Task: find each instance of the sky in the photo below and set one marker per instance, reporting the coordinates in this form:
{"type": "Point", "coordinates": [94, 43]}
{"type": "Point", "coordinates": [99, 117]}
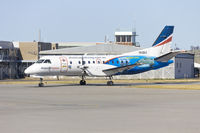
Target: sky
{"type": "Point", "coordinates": [92, 20]}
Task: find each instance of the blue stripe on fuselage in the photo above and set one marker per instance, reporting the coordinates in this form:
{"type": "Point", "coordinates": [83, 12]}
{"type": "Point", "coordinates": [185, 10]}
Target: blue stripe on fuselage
{"type": "Point", "coordinates": [124, 60]}
{"type": "Point", "coordinates": [149, 64]}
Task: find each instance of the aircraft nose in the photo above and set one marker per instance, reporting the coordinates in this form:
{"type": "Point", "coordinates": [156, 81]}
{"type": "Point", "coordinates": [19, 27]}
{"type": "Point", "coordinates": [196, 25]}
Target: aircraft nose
{"type": "Point", "coordinates": [27, 71]}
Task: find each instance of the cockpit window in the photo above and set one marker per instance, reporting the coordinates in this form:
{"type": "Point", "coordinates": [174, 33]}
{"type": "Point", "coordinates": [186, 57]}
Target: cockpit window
{"type": "Point", "coordinates": [39, 61]}
{"type": "Point", "coordinates": [47, 61]}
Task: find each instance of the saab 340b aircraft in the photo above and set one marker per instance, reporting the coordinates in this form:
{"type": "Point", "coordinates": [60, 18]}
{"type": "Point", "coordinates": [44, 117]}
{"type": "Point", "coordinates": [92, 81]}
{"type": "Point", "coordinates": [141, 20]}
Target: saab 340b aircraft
{"type": "Point", "coordinates": [155, 57]}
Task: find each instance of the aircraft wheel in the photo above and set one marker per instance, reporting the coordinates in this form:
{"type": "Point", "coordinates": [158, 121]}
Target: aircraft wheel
{"type": "Point", "coordinates": [110, 83]}
{"type": "Point", "coordinates": [41, 84]}
{"type": "Point", "coordinates": [82, 82]}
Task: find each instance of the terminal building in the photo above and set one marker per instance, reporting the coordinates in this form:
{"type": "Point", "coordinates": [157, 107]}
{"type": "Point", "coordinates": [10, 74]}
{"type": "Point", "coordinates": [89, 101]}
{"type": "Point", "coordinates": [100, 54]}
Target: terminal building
{"type": "Point", "coordinates": [126, 38]}
{"type": "Point", "coordinates": [8, 60]}
{"type": "Point", "coordinates": [15, 57]}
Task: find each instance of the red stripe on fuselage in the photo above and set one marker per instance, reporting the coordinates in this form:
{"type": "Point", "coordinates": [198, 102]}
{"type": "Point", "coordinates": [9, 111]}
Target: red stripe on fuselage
{"type": "Point", "coordinates": [166, 41]}
{"type": "Point", "coordinates": [111, 59]}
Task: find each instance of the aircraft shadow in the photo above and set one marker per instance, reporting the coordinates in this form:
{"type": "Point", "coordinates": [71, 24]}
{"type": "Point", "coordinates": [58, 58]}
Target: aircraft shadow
{"type": "Point", "coordinates": [118, 84]}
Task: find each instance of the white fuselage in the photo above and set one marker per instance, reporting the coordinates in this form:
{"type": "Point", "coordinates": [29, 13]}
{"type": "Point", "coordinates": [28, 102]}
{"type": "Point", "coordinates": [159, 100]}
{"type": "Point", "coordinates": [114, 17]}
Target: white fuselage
{"type": "Point", "coordinates": [67, 65]}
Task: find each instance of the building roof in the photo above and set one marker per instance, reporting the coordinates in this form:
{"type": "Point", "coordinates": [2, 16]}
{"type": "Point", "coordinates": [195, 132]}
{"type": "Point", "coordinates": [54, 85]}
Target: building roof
{"type": "Point", "coordinates": [125, 33]}
{"type": "Point", "coordinates": [96, 49]}
{"type": "Point", "coordinates": [77, 44]}
{"type": "Point", "coordinates": [6, 45]}
{"type": "Point", "coordinates": [186, 55]}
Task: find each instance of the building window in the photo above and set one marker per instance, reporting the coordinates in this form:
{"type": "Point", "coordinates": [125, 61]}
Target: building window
{"type": "Point", "coordinates": [117, 38]}
{"type": "Point", "coordinates": [128, 38]}
{"type": "Point", "coordinates": [123, 38]}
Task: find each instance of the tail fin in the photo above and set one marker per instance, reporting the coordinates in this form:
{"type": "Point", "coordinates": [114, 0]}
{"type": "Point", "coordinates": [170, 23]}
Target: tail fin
{"type": "Point", "coordinates": [164, 37]}
{"type": "Point", "coordinates": [161, 46]}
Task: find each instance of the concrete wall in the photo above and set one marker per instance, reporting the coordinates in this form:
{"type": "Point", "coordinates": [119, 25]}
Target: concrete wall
{"type": "Point", "coordinates": [162, 73]}
{"type": "Point", "coordinates": [196, 55]}
{"type": "Point", "coordinates": [29, 50]}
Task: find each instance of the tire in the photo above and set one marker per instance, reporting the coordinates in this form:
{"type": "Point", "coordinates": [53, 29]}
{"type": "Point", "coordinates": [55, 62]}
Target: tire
{"type": "Point", "coordinates": [82, 82]}
{"type": "Point", "coordinates": [110, 83]}
{"type": "Point", "coordinates": [41, 84]}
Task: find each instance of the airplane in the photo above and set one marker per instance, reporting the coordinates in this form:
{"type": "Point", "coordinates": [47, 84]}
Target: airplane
{"type": "Point", "coordinates": [155, 57]}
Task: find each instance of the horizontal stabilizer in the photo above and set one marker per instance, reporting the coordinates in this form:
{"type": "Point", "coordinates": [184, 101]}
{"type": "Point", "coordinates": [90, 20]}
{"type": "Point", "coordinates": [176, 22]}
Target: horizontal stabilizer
{"type": "Point", "coordinates": [168, 56]}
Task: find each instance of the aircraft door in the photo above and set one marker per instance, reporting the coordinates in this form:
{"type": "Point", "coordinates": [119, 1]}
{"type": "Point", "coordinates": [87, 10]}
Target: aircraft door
{"type": "Point", "coordinates": [63, 64]}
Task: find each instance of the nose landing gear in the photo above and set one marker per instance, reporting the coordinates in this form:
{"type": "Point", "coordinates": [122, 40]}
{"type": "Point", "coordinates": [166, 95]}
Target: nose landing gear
{"type": "Point", "coordinates": [41, 84]}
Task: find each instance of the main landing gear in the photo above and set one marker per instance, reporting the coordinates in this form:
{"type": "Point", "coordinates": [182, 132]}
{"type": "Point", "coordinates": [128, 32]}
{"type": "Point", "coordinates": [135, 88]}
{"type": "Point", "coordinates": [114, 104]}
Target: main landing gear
{"type": "Point", "coordinates": [83, 82]}
{"type": "Point", "coordinates": [41, 84]}
{"type": "Point", "coordinates": [110, 82]}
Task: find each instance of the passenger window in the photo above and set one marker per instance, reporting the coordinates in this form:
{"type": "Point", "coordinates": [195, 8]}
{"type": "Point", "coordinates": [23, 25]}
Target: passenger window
{"type": "Point", "coordinates": [88, 62]}
{"type": "Point", "coordinates": [93, 62]}
{"type": "Point", "coordinates": [117, 62]}
{"type": "Point", "coordinates": [70, 62]}
{"type": "Point", "coordinates": [79, 62]}
{"type": "Point", "coordinates": [98, 62]}
{"type": "Point", "coordinates": [47, 61]}
{"type": "Point", "coordinates": [112, 62]}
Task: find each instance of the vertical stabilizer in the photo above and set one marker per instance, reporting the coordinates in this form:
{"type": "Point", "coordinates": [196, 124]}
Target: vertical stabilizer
{"type": "Point", "coordinates": [162, 45]}
{"type": "Point", "coordinates": [164, 37]}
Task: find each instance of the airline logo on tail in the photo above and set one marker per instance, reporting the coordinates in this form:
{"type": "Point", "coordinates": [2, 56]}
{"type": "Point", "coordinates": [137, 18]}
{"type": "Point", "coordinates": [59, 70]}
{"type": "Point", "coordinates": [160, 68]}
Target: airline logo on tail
{"type": "Point", "coordinates": [164, 37]}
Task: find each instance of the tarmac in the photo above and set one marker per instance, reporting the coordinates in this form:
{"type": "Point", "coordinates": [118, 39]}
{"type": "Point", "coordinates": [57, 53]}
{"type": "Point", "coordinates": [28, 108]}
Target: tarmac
{"type": "Point", "coordinates": [97, 108]}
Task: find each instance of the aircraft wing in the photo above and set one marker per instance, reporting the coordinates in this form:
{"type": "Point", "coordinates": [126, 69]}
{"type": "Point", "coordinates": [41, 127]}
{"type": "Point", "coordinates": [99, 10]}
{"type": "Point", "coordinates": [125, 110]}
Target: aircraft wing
{"type": "Point", "coordinates": [115, 70]}
{"type": "Point", "coordinates": [168, 56]}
